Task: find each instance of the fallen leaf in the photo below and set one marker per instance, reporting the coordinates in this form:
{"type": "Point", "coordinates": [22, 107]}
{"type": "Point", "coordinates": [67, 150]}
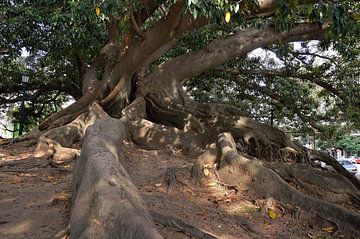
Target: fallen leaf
{"type": "Point", "coordinates": [209, 165]}
{"type": "Point", "coordinates": [190, 191]}
{"type": "Point", "coordinates": [327, 229]}
{"type": "Point", "coordinates": [272, 214]}
{"type": "Point", "coordinates": [211, 184]}
{"type": "Point", "coordinates": [206, 172]}
{"type": "Point", "coordinates": [62, 198]}
{"type": "Point", "coordinates": [311, 236]}
{"type": "Point", "coordinates": [227, 17]}
{"type": "Point", "coordinates": [97, 11]}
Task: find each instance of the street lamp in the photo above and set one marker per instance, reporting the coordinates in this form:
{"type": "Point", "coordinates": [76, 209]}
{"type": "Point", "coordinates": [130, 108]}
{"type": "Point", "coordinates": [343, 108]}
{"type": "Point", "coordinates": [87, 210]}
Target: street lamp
{"type": "Point", "coordinates": [24, 81]}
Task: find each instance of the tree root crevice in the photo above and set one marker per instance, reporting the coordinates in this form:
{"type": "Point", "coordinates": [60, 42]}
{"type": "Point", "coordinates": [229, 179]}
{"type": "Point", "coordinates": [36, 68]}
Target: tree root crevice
{"type": "Point", "coordinates": [180, 225]}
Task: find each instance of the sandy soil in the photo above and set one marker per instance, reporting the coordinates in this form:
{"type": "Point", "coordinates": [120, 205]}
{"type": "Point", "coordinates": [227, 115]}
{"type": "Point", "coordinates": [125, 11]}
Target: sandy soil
{"type": "Point", "coordinates": [34, 200]}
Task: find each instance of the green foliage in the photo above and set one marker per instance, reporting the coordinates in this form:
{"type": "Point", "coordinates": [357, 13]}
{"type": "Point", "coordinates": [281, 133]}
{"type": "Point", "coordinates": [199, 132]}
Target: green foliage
{"type": "Point", "coordinates": [35, 113]}
{"type": "Point", "coordinates": [349, 143]}
{"type": "Point", "coordinates": [54, 32]}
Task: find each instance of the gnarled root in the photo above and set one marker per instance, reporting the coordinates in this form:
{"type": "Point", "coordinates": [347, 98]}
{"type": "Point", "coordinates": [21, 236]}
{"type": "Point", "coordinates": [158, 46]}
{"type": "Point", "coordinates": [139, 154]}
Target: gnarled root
{"type": "Point", "coordinates": [154, 136]}
{"type": "Point", "coordinates": [206, 160]}
{"type": "Point", "coordinates": [332, 187]}
{"type": "Point", "coordinates": [33, 135]}
{"type": "Point", "coordinates": [106, 204]}
{"type": "Point", "coordinates": [48, 148]}
{"type": "Point", "coordinates": [248, 173]}
{"type": "Point", "coordinates": [256, 139]}
{"type": "Point", "coordinates": [57, 142]}
{"type": "Point", "coordinates": [161, 112]}
{"type": "Point", "coordinates": [320, 156]}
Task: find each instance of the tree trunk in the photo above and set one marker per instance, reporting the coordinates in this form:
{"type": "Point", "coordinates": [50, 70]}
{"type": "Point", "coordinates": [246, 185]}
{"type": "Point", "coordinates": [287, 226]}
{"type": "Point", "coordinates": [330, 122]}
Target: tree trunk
{"type": "Point", "coordinates": [160, 113]}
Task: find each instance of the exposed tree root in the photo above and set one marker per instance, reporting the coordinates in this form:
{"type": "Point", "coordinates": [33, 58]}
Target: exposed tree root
{"type": "Point", "coordinates": [100, 180]}
{"type": "Point", "coordinates": [55, 143]}
{"type": "Point", "coordinates": [105, 202]}
{"type": "Point", "coordinates": [316, 155]}
{"type": "Point", "coordinates": [311, 181]}
{"type": "Point", "coordinates": [30, 170]}
{"type": "Point", "coordinates": [250, 174]}
{"type": "Point", "coordinates": [154, 136]}
{"type": "Point", "coordinates": [11, 163]}
{"type": "Point", "coordinates": [33, 135]}
{"type": "Point", "coordinates": [71, 112]}
{"type": "Point", "coordinates": [205, 160]}
{"type": "Point", "coordinates": [135, 111]}
{"type": "Point", "coordinates": [161, 112]}
{"type": "Point", "coordinates": [171, 179]}
{"type": "Point", "coordinates": [50, 148]}
{"type": "Point", "coordinates": [254, 138]}
{"type": "Point", "coordinates": [180, 225]}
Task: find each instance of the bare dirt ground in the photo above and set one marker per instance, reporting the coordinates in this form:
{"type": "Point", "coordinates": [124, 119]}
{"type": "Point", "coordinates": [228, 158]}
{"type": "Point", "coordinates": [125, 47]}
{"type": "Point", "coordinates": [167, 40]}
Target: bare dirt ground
{"type": "Point", "coordinates": [35, 199]}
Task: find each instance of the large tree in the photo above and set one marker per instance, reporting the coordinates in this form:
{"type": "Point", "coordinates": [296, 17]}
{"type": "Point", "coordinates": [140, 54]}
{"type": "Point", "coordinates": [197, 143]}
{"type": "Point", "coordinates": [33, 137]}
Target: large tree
{"type": "Point", "coordinates": [126, 64]}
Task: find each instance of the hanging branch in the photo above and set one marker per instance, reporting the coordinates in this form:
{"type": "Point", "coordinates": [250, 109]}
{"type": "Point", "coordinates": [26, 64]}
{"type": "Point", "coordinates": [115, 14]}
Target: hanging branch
{"type": "Point", "coordinates": [133, 21]}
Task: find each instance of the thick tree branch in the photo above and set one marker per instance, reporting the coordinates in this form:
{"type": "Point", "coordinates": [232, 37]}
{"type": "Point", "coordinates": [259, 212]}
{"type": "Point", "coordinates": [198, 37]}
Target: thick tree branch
{"type": "Point", "coordinates": [154, 38]}
{"type": "Point", "coordinates": [112, 29]}
{"type": "Point", "coordinates": [148, 8]}
{"type": "Point", "coordinates": [40, 88]}
{"type": "Point", "coordinates": [133, 21]}
{"type": "Point", "coordinates": [311, 77]}
{"type": "Point", "coordinates": [222, 50]}
{"type": "Point", "coordinates": [296, 53]}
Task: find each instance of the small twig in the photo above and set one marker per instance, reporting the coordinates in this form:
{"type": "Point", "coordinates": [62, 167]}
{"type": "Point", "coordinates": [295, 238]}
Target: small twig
{"type": "Point", "coordinates": [170, 177]}
{"type": "Point", "coordinates": [11, 163]}
{"type": "Point", "coordinates": [162, 9]}
{"type": "Point", "coordinates": [59, 162]}
{"type": "Point", "coordinates": [30, 170]}
{"type": "Point", "coordinates": [228, 186]}
{"type": "Point", "coordinates": [133, 21]}
{"type": "Point", "coordinates": [180, 225]}
{"type": "Point", "coordinates": [217, 175]}
{"type": "Point", "coordinates": [63, 233]}
{"type": "Point", "coordinates": [20, 170]}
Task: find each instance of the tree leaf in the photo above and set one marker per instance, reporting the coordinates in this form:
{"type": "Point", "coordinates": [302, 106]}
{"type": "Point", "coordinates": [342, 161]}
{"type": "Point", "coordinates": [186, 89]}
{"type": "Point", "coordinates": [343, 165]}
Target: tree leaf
{"type": "Point", "coordinates": [327, 229]}
{"type": "Point", "coordinates": [227, 17]}
{"type": "Point", "coordinates": [272, 215]}
{"type": "Point", "coordinates": [97, 10]}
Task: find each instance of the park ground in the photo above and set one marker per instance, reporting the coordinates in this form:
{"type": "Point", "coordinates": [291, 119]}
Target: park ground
{"type": "Point", "coordinates": [35, 198]}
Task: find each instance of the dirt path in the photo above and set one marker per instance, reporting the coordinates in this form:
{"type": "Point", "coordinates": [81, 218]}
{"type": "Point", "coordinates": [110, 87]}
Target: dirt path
{"type": "Point", "coordinates": [33, 204]}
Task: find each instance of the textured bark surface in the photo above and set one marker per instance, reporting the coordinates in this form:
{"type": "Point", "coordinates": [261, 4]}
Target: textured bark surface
{"type": "Point", "coordinates": [106, 204]}
{"type": "Point", "coordinates": [247, 172]}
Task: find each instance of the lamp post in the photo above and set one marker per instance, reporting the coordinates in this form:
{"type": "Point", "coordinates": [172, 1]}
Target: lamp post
{"type": "Point", "coordinates": [24, 81]}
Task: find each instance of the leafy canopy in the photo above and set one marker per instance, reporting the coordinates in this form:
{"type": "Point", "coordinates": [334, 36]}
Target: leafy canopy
{"type": "Point", "coordinates": [60, 34]}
